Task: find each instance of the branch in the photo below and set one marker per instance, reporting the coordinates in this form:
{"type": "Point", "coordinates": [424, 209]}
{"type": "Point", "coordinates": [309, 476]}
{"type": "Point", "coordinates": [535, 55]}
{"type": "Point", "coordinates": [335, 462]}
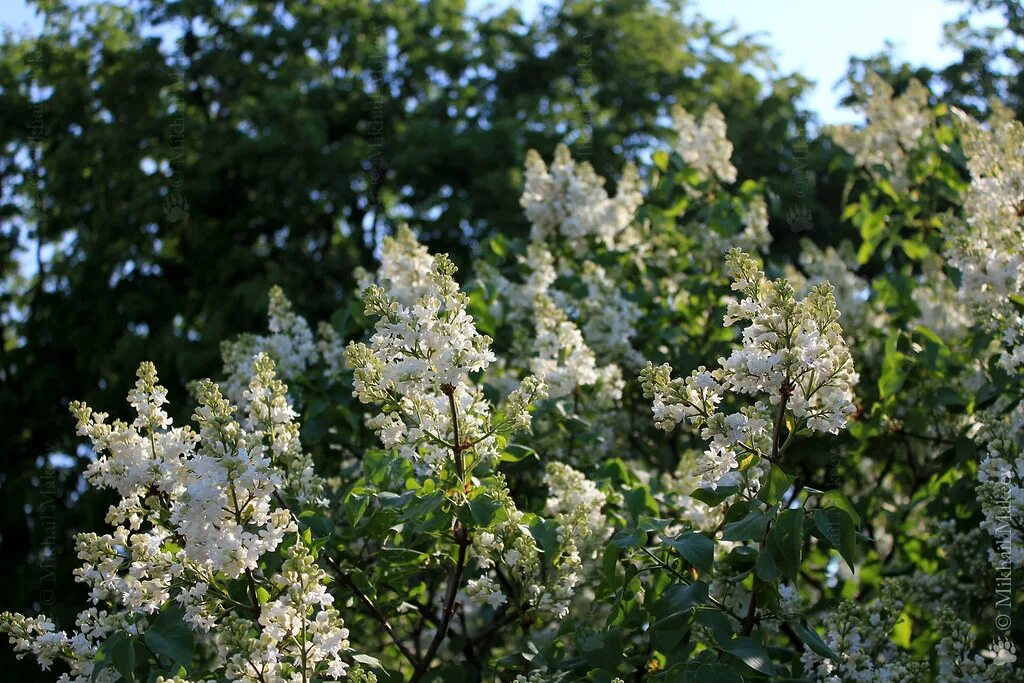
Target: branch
{"type": "Point", "coordinates": [462, 540]}
{"type": "Point", "coordinates": [346, 579]}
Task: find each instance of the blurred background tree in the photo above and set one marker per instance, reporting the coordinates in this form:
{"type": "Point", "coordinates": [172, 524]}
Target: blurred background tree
{"type": "Point", "coordinates": [164, 162]}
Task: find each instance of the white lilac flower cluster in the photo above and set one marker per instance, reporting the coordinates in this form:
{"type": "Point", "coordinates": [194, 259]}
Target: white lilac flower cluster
{"type": "Point", "coordinates": [290, 344]}
{"type": "Point", "coordinates": [609, 318]}
{"type": "Point", "coordinates": [704, 146]}
{"type": "Point", "coordinates": [895, 126]}
{"type": "Point", "coordinates": [958, 659]}
{"type": "Point", "coordinates": [569, 200]}
{"type": "Point", "coordinates": [301, 636]}
{"type": "Point", "coordinates": [860, 637]}
{"type": "Point", "coordinates": [793, 355]}
{"type": "Point", "coordinates": [196, 511]}
{"type": "Point", "coordinates": [565, 353]}
{"type": "Point", "coordinates": [676, 488]}
{"type": "Point", "coordinates": [418, 362]}
{"type": "Point", "coordinates": [988, 247]}
{"type": "Point", "coordinates": [1001, 485]}
{"type": "Point", "coordinates": [940, 304]}
{"type": "Point", "coordinates": [837, 266]}
{"type": "Point", "coordinates": [968, 570]}
{"type": "Point", "coordinates": [543, 584]}
{"type": "Point", "coordinates": [564, 360]}
{"type": "Point", "coordinates": [576, 504]}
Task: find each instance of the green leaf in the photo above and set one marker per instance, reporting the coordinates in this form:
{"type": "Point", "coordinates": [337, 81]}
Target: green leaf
{"type": "Point", "coordinates": [367, 660]}
{"type": "Point", "coordinates": [629, 538]}
{"type": "Point", "coordinates": [601, 650]}
{"type": "Point", "coordinates": [751, 653]}
{"type": "Point", "coordinates": [814, 641]}
{"type": "Point", "coordinates": [717, 673]}
{"type": "Point", "coordinates": [775, 486]}
{"type": "Point", "coordinates": [915, 249]}
{"type": "Point", "coordinates": [675, 607]}
{"type": "Point", "coordinates": [169, 635]}
{"type": "Point", "coordinates": [484, 510]}
{"type": "Point", "coordinates": [318, 525]}
{"type": "Point", "coordinates": [515, 452]}
{"type": "Point", "coordinates": [660, 159]}
{"type": "Point", "coordinates": [640, 502]}
{"type": "Point", "coordinates": [785, 542]}
{"type": "Point", "coordinates": [714, 497]}
{"type": "Point", "coordinates": [837, 499]}
{"type": "Point", "coordinates": [836, 527]}
{"type": "Point", "coordinates": [545, 532]}
{"type": "Point", "coordinates": [750, 527]}
{"type": "Point", "coordinates": [893, 372]}
{"type": "Point", "coordinates": [696, 548]}
{"type": "Point", "coordinates": [117, 652]}
{"type": "Point", "coordinates": [355, 507]}
{"type": "Point", "coordinates": [766, 568]}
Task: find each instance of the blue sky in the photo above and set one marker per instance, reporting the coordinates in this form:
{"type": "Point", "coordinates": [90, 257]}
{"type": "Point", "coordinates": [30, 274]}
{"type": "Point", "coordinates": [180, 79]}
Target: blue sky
{"type": "Point", "coordinates": [812, 37]}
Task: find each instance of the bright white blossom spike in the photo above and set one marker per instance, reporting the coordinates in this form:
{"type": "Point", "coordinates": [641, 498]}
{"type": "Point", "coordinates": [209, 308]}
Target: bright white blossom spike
{"type": "Point", "coordinates": [789, 347]}
{"type": "Point", "coordinates": [419, 359]}
{"type": "Point", "coordinates": [861, 636]}
{"type": "Point", "coordinates": [405, 268]}
{"type": "Point", "coordinates": [895, 127]}
{"type": "Point", "coordinates": [797, 344]}
{"type": "Point", "coordinates": [988, 247]}
{"type": "Point", "coordinates": [197, 510]}
{"type": "Point", "coordinates": [575, 502]}
{"type": "Point", "coordinates": [271, 419]}
{"type": "Point", "coordinates": [331, 348]}
{"type": "Point", "coordinates": [301, 635]}
{"type": "Point", "coordinates": [1001, 483]}
{"type": "Point", "coordinates": [290, 343]}
{"type": "Point", "coordinates": [517, 405]}
{"type": "Point", "coordinates": [960, 659]}
{"type": "Point", "coordinates": [610, 318]}
{"type": "Point", "coordinates": [564, 360]}
{"type": "Point", "coordinates": [704, 146]}
{"type": "Point", "coordinates": [225, 512]}
{"type": "Point", "coordinates": [485, 590]}
{"type": "Point", "coordinates": [569, 200]}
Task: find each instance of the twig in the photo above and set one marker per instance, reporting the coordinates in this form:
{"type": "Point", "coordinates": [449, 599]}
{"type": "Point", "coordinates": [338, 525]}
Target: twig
{"type": "Point", "coordinates": [462, 540]}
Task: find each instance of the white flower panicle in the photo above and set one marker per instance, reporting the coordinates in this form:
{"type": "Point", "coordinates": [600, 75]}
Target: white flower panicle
{"type": "Point", "coordinates": [860, 636]}
{"type": "Point", "coordinates": [791, 350]}
{"type": "Point", "coordinates": [431, 343]}
{"type": "Point", "coordinates": [958, 659]}
{"type": "Point", "coordinates": [575, 502]}
{"type": "Point", "coordinates": [988, 247]}
{"type": "Point", "coordinates": [418, 361]}
{"type": "Point", "coordinates": [569, 200]}
{"type": "Point", "coordinates": [406, 268]}
{"type": "Point", "coordinates": [704, 146]}
{"type": "Point", "coordinates": [290, 344]}
{"type": "Point", "coordinates": [796, 345]}
{"type": "Point", "coordinates": [301, 636]}
{"type": "Point", "coordinates": [197, 511]}
{"type": "Point", "coordinates": [895, 126]}
{"type": "Point", "coordinates": [563, 360]}
{"type": "Point", "coordinates": [609, 317]}
{"type": "Point", "coordinates": [225, 510]}
{"type": "Point", "coordinates": [1001, 485]}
